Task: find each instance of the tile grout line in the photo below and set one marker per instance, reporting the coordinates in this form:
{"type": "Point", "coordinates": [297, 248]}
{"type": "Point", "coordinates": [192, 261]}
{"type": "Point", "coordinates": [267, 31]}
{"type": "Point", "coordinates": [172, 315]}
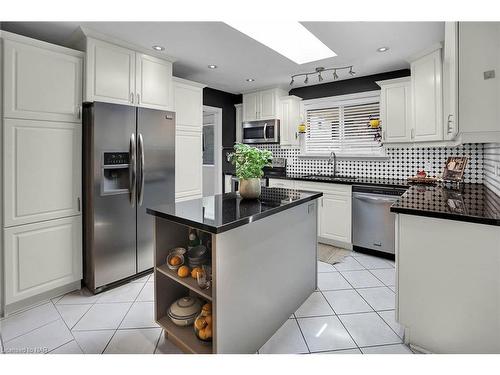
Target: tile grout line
{"type": "Point", "coordinates": [69, 329]}
{"type": "Point", "coordinates": [302, 333]}
{"type": "Point", "coordinates": [31, 330]}
{"type": "Point", "coordinates": [340, 320]}
{"type": "Point", "coordinates": [124, 316]}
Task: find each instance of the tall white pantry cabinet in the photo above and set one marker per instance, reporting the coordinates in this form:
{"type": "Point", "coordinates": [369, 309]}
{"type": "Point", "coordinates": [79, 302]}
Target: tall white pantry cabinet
{"type": "Point", "coordinates": [41, 152]}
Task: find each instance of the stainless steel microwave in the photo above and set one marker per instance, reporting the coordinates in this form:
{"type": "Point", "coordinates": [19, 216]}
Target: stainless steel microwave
{"type": "Point", "coordinates": [262, 131]}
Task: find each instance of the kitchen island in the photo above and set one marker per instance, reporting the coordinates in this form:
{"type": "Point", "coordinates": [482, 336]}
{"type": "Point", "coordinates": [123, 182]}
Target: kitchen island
{"type": "Point", "coordinates": [263, 260]}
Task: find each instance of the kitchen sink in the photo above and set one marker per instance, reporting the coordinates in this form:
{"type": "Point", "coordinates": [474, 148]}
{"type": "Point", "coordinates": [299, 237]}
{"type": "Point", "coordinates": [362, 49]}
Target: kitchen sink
{"type": "Point", "coordinates": [329, 177]}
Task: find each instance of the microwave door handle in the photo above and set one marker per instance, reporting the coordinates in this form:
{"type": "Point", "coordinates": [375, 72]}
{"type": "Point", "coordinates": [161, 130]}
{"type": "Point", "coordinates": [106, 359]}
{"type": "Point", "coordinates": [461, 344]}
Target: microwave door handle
{"type": "Point", "coordinates": [265, 128]}
{"type": "Point", "coordinates": [132, 170]}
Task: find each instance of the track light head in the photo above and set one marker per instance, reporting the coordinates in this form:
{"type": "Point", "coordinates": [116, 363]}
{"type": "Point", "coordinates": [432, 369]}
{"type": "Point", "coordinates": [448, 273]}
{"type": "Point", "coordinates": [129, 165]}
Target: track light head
{"type": "Point", "coordinates": [352, 72]}
{"type": "Point", "coordinates": [320, 78]}
{"type": "Point", "coordinates": [292, 81]}
{"type": "Point", "coordinates": [306, 80]}
{"type": "Point", "coordinates": [335, 75]}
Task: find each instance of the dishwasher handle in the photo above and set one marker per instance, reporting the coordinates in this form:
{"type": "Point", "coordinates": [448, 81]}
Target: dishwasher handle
{"type": "Point", "coordinates": [373, 199]}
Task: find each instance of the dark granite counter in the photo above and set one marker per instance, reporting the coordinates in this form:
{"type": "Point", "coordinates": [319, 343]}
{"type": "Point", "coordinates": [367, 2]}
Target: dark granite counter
{"type": "Point", "coordinates": [387, 182]}
{"type": "Point", "coordinates": [219, 213]}
{"type": "Point", "coordinates": [474, 203]}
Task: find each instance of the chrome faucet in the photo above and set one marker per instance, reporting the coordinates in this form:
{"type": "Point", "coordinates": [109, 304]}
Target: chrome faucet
{"type": "Point", "coordinates": [333, 160]}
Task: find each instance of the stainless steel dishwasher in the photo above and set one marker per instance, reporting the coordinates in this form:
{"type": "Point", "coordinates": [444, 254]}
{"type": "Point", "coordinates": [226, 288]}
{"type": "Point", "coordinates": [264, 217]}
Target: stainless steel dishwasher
{"type": "Point", "coordinates": [372, 220]}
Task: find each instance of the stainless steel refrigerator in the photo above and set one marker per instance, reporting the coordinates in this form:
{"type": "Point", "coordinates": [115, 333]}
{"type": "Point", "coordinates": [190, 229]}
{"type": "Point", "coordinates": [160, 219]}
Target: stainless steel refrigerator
{"type": "Point", "coordinates": [129, 164]}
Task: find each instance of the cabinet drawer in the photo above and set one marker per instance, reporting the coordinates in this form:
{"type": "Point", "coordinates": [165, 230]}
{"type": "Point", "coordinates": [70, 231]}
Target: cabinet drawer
{"type": "Point", "coordinates": [42, 170]}
{"type": "Point", "coordinates": [42, 84]}
{"type": "Point", "coordinates": [340, 189]}
{"type": "Point", "coordinates": [43, 256]}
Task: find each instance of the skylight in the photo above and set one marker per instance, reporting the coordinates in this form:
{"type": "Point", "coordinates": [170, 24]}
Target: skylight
{"type": "Point", "coordinates": [288, 38]}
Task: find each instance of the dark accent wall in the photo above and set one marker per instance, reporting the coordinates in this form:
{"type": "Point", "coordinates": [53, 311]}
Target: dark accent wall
{"type": "Point", "coordinates": [226, 101]}
{"type": "Point", "coordinates": [347, 86]}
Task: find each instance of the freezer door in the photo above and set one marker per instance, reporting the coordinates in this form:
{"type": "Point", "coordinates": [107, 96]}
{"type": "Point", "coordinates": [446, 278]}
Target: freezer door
{"type": "Point", "coordinates": [156, 174]}
{"type": "Point", "coordinates": [114, 215]}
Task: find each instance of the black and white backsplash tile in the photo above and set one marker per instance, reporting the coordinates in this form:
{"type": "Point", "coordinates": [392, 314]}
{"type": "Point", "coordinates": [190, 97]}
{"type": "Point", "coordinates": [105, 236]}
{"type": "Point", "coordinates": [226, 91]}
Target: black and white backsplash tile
{"type": "Point", "coordinates": [402, 162]}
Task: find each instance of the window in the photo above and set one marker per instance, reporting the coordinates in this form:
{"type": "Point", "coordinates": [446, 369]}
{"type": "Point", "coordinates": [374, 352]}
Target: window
{"type": "Point", "coordinates": [342, 126]}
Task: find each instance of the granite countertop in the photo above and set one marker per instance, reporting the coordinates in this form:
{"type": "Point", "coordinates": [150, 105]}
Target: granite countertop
{"type": "Point", "coordinates": [474, 203]}
{"type": "Point", "coordinates": [389, 182]}
{"type": "Point", "coordinates": [222, 212]}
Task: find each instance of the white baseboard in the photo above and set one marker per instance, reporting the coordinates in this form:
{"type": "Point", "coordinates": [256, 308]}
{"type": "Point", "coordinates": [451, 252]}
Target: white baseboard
{"type": "Point", "coordinates": [40, 298]}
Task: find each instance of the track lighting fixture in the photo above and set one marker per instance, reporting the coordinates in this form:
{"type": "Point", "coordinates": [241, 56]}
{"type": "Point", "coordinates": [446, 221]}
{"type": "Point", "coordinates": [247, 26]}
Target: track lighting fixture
{"type": "Point", "coordinates": [320, 70]}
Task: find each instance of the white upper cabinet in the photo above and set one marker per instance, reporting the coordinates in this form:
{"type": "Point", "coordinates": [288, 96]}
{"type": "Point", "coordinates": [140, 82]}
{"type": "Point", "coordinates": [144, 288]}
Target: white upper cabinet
{"type": "Point", "coordinates": [479, 75]}
{"type": "Point", "coordinates": [267, 105]}
{"type": "Point", "coordinates": [110, 75]}
{"type": "Point", "coordinates": [262, 105]}
{"type": "Point", "coordinates": [427, 99]}
{"type": "Point", "coordinates": [251, 106]}
{"type": "Point", "coordinates": [290, 120]}
{"type": "Point", "coordinates": [123, 76]}
{"type": "Point", "coordinates": [395, 110]}
{"type": "Point", "coordinates": [41, 81]}
{"type": "Point", "coordinates": [153, 82]}
{"type": "Point", "coordinates": [188, 106]}
{"type": "Point", "coordinates": [42, 170]}
{"type": "Point", "coordinates": [450, 81]}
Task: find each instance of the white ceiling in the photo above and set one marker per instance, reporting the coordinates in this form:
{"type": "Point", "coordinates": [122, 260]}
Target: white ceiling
{"type": "Point", "coordinates": [194, 45]}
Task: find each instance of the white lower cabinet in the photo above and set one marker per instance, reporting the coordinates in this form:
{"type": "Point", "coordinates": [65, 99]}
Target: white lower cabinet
{"type": "Point", "coordinates": [42, 256]}
{"type": "Point", "coordinates": [334, 214]}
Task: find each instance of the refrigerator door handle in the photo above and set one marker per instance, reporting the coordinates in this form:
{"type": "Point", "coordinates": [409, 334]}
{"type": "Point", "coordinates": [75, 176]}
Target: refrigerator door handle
{"type": "Point", "coordinates": [141, 170]}
{"type": "Point", "coordinates": [132, 170]}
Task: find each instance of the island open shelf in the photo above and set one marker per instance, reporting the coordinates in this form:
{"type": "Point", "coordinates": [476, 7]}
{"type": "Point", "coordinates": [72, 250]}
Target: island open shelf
{"type": "Point", "coordinates": [252, 242]}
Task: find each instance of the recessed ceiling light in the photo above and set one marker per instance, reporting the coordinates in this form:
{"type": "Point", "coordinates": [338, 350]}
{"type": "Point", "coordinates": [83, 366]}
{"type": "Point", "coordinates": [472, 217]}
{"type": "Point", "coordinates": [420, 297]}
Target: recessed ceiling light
{"type": "Point", "coordinates": [289, 38]}
{"type": "Point", "coordinates": [212, 66]}
{"type": "Point", "coordinates": [383, 49]}
{"type": "Point", "coordinates": [250, 79]}
{"type": "Point", "coordinates": [158, 48]}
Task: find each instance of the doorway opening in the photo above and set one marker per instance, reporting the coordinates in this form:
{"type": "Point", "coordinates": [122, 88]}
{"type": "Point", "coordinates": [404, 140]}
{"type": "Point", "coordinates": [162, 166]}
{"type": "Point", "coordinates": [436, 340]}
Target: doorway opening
{"type": "Point", "coordinates": [211, 149]}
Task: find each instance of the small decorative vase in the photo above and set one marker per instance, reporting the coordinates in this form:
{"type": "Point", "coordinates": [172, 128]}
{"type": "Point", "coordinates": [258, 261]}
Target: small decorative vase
{"type": "Point", "coordinates": [250, 188]}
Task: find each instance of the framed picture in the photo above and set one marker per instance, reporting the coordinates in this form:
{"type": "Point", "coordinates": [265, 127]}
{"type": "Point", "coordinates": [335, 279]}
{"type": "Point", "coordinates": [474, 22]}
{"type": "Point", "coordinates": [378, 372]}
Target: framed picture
{"type": "Point", "coordinates": [454, 168]}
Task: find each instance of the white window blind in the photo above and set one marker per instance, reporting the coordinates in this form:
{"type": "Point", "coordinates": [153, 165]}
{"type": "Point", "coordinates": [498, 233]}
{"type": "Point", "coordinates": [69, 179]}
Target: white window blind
{"type": "Point", "coordinates": [343, 128]}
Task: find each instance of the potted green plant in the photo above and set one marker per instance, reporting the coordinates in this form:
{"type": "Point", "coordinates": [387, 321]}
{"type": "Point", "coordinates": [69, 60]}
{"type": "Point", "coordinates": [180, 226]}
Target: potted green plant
{"type": "Point", "coordinates": [249, 162]}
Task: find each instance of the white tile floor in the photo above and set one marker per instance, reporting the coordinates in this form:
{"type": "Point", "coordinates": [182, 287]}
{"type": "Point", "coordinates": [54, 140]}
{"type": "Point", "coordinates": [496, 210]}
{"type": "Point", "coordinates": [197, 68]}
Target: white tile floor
{"type": "Point", "coordinates": [351, 312]}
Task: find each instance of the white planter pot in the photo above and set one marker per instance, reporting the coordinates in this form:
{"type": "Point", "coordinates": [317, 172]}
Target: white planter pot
{"type": "Point", "coordinates": [250, 188]}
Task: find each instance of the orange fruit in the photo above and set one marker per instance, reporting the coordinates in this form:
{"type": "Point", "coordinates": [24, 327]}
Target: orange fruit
{"type": "Point", "coordinates": [208, 320]}
{"type": "Point", "coordinates": [183, 271]}
{"type": "Point", "coordinates": [175, 260]}
{"type": "Point", "coordinates": [195, 272]}
{"type": "Point", "coordinates": [207, 307]}
{"type": "Point", "coordinates": [200, 323]}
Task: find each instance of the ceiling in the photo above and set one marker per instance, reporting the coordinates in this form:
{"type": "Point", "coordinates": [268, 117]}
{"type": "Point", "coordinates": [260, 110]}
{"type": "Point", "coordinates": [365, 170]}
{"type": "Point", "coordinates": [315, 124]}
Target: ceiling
{"type": "Point", "coordinates": [194, 45]}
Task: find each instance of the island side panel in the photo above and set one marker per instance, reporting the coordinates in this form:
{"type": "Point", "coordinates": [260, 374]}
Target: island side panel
{"type": "Point", "coordinates": [264, 271]}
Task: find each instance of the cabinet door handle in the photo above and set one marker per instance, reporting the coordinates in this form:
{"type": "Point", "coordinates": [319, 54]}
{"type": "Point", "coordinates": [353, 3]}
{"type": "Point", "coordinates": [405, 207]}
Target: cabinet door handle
{"type": "Point", "coordinates": [138, 98]}
{"type": "Point", "coordinates": [132, 97]}
{"type": "Point", "coordinates": [383, 135]}
{"type": "Point", "coordinates": [296, 135]}
{"type": "Point", "coordinates": [78, 204]}
{"type": "Point", "coordinates": [412, 133]}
